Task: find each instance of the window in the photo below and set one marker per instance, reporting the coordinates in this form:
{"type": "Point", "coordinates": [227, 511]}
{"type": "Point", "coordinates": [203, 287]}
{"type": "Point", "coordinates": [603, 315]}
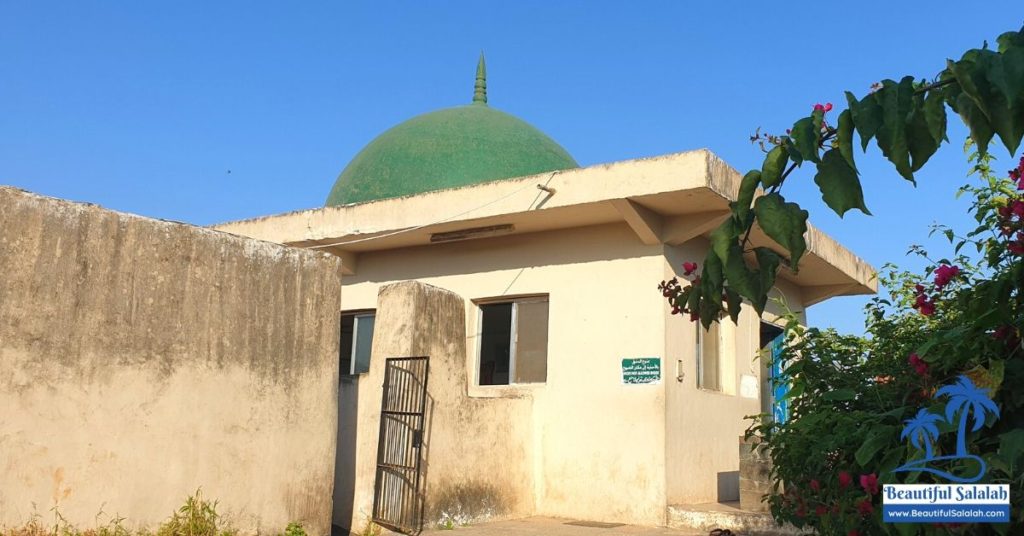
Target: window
{"type": "Point", "coordinates": [513, 341]}
{"type": "Point", "coordinates": [356, 341]}
{"type": "Point", "coordinates": [708, 357]}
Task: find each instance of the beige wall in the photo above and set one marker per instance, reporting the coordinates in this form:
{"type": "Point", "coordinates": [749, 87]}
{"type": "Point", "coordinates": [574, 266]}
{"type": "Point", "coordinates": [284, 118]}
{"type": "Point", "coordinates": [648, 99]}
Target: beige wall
{"type": "Point", "coordinates": [142, 359]}
{"type": "Point", "coordinates": [477, 451]}
{"type": "Point", "coordinates": [702, 426]}
{"type": "Point", "coordinates": [597, 445]}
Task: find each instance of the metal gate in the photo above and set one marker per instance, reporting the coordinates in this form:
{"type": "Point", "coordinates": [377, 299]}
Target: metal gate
{"type": "Point", "coordinates": [397, 501]}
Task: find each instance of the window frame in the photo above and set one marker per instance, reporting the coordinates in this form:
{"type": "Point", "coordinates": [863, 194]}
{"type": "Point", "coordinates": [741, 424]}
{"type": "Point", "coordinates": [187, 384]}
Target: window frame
{"type": "Point", "coordinates": [356, 314]}
{"type": "Point", "coordinates": [513, 337]}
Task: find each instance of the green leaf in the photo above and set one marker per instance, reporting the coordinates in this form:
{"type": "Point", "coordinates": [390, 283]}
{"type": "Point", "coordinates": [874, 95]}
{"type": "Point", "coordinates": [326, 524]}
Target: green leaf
{"type": "Point", "coordinates": [724, 238]}
{"type": "Point", "coordinates": [747, 282]}
{"type": "Point", "coordinates": [977, 123]}
{"type": "Point", "coordinates": [693, 300]}
{"type": "Point", "coordinates": [879, 437]}
{"type": "Point", "coordinates": [840, 187]}
{"type": "Point", "coordinates": [907, 529]}
{"type": "Point", "coordinates": [840, 394]}
{"type": "Point", "coordinates": [734, 304]}
{"type": "Point", "coordinates": [1010, 40]}
{"type": "Point", "coordinates": [1011, 444]}
{"type": "Point", "coordinates": [935, 115]}
{"type": "Point", "coordinates": [980, 74]}
{"type": "Point", "coordinates": [818, 120]}
{"type": "Point", "coordinates": [920, 141]}
{"type": "Point", "coordinates": [774, 165]}
{"type": "Point", "coordinates": [711, 280]}
{"type": "Point", "coordinates": [1003, 73]}
{"type": "Point", "coordinates": [794, 153]}
{"type": "Point", "coordinates": [748, 187]}
{"type": "Point", "coordinates": [768, 266]}
{"type": "Point", "coordinates": [844, 138]}
{"type": "Point", "coordinates": [896, 101]}
{"type": "Point", "coordinates": [806, 138]}
{"type": "Point", "coordinates": [794, 392]}
{"type": "Point", "coordinates": [866, 115]}
{"type": "Point", "coordinates": [784, 223]}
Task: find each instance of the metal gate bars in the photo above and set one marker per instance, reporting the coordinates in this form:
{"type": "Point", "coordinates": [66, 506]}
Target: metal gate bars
{"type": "Point", "coordinates": [397, 500]}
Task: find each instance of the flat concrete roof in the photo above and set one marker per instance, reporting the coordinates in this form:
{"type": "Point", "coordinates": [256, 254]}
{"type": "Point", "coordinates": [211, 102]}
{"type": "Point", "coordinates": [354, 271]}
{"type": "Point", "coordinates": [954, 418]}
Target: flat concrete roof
{"type": "Point", "coordinates": [667, 199]}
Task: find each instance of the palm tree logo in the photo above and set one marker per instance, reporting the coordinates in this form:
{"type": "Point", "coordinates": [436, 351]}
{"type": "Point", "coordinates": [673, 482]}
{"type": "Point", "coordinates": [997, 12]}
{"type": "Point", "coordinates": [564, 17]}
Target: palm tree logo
{"type": "Point", "coordinates": [966, 399]}
{"type": "Point", "coordinates": [922, 429]}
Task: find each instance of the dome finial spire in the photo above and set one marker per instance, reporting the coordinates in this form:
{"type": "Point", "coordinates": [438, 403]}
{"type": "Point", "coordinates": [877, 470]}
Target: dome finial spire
{"type": "Point", "coordinates": [480, 89]}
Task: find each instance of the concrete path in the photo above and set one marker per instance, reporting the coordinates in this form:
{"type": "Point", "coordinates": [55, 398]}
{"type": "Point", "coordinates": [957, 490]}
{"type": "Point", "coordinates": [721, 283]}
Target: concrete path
{"type": "Point", "coordinates": [547, 526]}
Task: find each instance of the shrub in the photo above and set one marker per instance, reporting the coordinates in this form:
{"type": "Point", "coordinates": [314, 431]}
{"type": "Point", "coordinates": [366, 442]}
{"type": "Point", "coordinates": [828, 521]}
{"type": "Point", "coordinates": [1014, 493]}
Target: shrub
{"type": "Point", "coordinates": [868, 411]}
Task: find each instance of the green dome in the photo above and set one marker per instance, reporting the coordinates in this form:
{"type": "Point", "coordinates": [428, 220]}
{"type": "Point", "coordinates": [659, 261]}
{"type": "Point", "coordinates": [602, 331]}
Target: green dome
{"type": "Point", "coordinates": [447, 149]}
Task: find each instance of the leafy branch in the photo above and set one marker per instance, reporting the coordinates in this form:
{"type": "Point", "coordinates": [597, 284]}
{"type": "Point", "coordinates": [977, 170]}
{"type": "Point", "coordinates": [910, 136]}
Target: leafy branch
{"type": "Point", "coordinates": [907, 119]}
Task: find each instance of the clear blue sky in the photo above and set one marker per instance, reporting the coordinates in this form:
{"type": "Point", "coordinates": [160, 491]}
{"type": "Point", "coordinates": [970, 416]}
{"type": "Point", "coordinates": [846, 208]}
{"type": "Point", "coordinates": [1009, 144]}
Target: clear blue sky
{"type": "Point", "coordinates": [145, 106]}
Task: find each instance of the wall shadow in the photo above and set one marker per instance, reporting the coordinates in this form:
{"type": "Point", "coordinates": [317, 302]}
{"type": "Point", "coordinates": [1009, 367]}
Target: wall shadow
{"type": "Point", "coordinates": [345, 455]}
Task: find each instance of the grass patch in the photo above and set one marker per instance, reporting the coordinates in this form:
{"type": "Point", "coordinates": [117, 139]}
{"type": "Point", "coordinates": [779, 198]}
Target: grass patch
{"type": "Point", "coordinates": [197, 517]}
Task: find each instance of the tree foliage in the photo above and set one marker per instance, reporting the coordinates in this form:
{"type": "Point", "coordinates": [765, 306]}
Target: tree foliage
{"type": "Point", "coordinates": [953, 342]}
{"type": "Point", "coordinates": [943, 362]}
{"type": "Point", "coordinates": [907, 121]}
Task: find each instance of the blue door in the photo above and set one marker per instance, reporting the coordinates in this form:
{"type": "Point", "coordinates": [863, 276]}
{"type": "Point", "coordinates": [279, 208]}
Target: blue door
{"type": "Point", "coordinates": [780, 407]}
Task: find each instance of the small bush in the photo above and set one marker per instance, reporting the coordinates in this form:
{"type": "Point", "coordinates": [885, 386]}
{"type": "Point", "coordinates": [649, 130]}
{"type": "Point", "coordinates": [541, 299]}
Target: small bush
{"type": "Point", "coordinates": [294, 529]}
{"type": "Point", "coordinates": [197, 517]}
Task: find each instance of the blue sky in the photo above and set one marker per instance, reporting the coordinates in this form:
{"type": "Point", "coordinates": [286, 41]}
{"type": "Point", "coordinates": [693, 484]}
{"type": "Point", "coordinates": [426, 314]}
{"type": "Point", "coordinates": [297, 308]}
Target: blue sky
{"type": "Point", "coordinates": [145, 106]}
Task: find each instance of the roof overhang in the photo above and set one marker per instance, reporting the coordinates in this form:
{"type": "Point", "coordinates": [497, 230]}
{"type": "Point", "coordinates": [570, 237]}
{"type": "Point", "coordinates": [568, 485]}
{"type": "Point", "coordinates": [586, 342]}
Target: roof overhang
{"type": "Point", "coordinates": [669, 199]}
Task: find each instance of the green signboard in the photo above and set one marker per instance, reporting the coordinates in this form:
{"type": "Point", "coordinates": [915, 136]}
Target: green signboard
{"type": "Point", "coordinates": [641, 370]}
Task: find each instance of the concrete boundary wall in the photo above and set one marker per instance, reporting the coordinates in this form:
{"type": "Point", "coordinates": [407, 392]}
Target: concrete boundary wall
{"type": "Point", "coordinates": [477, 452]}
{"type": "Point", "coordinates": [143, 359]}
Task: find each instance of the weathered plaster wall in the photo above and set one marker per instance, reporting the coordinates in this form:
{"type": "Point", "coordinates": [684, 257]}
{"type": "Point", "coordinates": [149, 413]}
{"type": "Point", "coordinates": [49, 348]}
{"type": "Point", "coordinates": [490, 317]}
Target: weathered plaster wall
{"type": "Point", "coordinates": [142, 359]}
{"type": "Point", "coordinates": [477, 452]}
{"type": "Point", "coordinates": [597, 445]}
{"type": "Point", "coordinates": [702, 459]}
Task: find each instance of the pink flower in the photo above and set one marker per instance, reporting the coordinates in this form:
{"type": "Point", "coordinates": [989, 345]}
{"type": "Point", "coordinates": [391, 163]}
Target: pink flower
{"type": "Point", "coordinates": [865, 507]}
{"type": "Point", "coordinates": [927, 308]}
{"type": "Point", "coordinates": [1018, 174]}
{"type": "Point", "coordinates": [689, 268]}
{"type": "Point", "coordinates": [944, 274]}
{"type": "Point", "coordinates": [1017, 208]}
{"type": "Point", "coordinates": [820, 511]}
{"type": "Point", "coordinates": [870, 483]}
{"type": "Point", "coordinates": [920, 367]}
{"type": "Point", "coordinates": [828, 106]}
{"type": "Point", "coordinates": [815, 485]}
{"type": "Point", "coordinates": [845, 479]}
{"type": "Point", "coordinates": [923, 304]}
{"type": "Point", "coordinates": [1017, 247]}
{"type": "Point", "coordinates": [819, 108]}
{"type": "Point", "coordinates": [1002, 333]}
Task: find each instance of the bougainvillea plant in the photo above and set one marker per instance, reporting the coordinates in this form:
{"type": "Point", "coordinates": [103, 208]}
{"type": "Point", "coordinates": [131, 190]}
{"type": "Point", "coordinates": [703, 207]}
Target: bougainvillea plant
{"type": "Point", "coordinates": [907, 120]}
{"type": "Point", "coordinates": [863, 407]}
